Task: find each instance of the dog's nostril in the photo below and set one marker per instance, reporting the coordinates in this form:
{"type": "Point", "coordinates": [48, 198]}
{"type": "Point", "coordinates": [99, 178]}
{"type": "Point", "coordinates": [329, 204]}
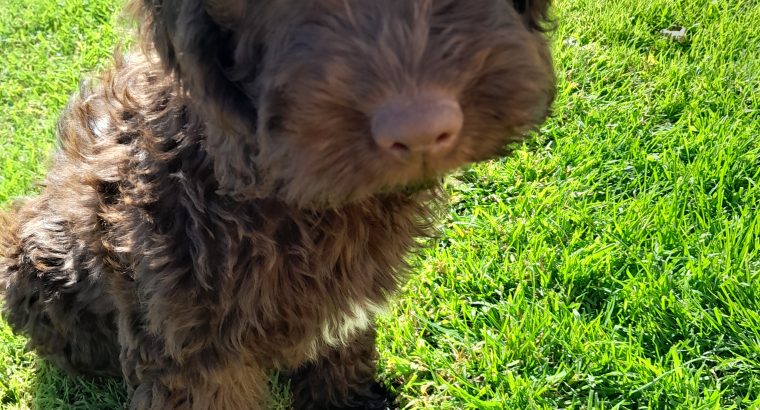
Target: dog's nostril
{"type": "Point", "coordinates": [399, 147]}
{"type": "Point", "coordinates": [443, 138]}
{"type": "Point", "coordinates": [423, 123]}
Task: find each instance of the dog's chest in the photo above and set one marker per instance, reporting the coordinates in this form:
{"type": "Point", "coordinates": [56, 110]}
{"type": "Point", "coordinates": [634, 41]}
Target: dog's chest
{"type": "Point", "coordinates": [305, 284]}
{"type": "Point", "coordinates": [302, 303]}
{"type": "Point", "coordinates": [342, 327]}
{"type": "Point", "coordinates": [301, 329]}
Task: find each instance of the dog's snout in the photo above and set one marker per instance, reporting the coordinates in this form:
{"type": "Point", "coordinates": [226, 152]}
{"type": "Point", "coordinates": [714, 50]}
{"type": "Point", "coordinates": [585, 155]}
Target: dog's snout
{"type": "Point", "coordinates": [426, 123]}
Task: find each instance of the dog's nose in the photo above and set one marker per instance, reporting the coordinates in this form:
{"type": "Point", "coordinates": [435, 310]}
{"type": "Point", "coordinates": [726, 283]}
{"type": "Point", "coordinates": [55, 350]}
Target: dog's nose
{"type": "Point", "coordinates": [426, 123]}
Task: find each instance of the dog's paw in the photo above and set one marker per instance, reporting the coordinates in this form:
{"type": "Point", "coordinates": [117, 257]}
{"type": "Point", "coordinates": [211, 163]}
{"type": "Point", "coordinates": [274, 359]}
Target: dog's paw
{"type": "Point", "coordinates": [375, 397]}
{"type": "Point", "coordinates": [370, 397]}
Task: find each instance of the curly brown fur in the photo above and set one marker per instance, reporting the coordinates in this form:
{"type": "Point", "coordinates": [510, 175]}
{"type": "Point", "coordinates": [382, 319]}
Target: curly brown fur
{"type": "Point", "coordinates": [217, 210]}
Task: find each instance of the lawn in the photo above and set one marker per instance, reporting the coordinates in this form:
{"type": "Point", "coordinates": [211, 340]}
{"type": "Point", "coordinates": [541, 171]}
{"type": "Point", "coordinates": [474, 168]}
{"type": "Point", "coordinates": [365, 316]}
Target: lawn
{"type": "Point", "coordinates": [612, 262]}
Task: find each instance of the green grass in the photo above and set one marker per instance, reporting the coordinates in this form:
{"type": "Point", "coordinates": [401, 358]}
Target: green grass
{"type": "Point", "coordinates": [611, 263]}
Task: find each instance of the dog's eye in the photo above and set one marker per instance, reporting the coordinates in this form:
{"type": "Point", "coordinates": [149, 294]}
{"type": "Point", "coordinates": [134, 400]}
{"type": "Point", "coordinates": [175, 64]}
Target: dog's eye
{"type": "Point", "coordinates": [520, 5]}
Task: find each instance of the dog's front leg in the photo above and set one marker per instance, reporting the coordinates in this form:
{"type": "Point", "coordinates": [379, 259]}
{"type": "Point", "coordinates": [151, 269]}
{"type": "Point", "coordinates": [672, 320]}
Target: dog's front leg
{"type": "Point", "coordinates": [341, 378]}
{"type": "Point", "coordinates": [231, 388]}
{"type": "Point", "coordinates": [203, 380]}
{"type": "Point", "coordinates": [235, 386]}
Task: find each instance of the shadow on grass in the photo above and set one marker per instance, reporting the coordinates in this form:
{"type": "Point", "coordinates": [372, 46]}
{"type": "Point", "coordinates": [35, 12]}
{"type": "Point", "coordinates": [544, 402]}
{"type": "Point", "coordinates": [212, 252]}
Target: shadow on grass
{"type": "Point", "coordinates": [53, 389]}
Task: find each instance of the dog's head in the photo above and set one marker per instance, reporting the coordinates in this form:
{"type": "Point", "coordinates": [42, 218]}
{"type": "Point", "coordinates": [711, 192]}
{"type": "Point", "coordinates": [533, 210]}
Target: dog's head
{"type": "Point", "coordinates": [326, 102]}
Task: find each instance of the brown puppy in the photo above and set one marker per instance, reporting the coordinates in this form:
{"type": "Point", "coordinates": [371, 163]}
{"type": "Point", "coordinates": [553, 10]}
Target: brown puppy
{"type": "Point", "coordinates": [240, 196]}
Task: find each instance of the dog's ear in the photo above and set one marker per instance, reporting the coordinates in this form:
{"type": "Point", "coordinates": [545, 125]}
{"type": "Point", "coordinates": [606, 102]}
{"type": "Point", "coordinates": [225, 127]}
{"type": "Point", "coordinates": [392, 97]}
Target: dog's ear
{"type": "Point", "coordinates": [535, 13]}
{"type": "Point", "coordinates": [196, 40]}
